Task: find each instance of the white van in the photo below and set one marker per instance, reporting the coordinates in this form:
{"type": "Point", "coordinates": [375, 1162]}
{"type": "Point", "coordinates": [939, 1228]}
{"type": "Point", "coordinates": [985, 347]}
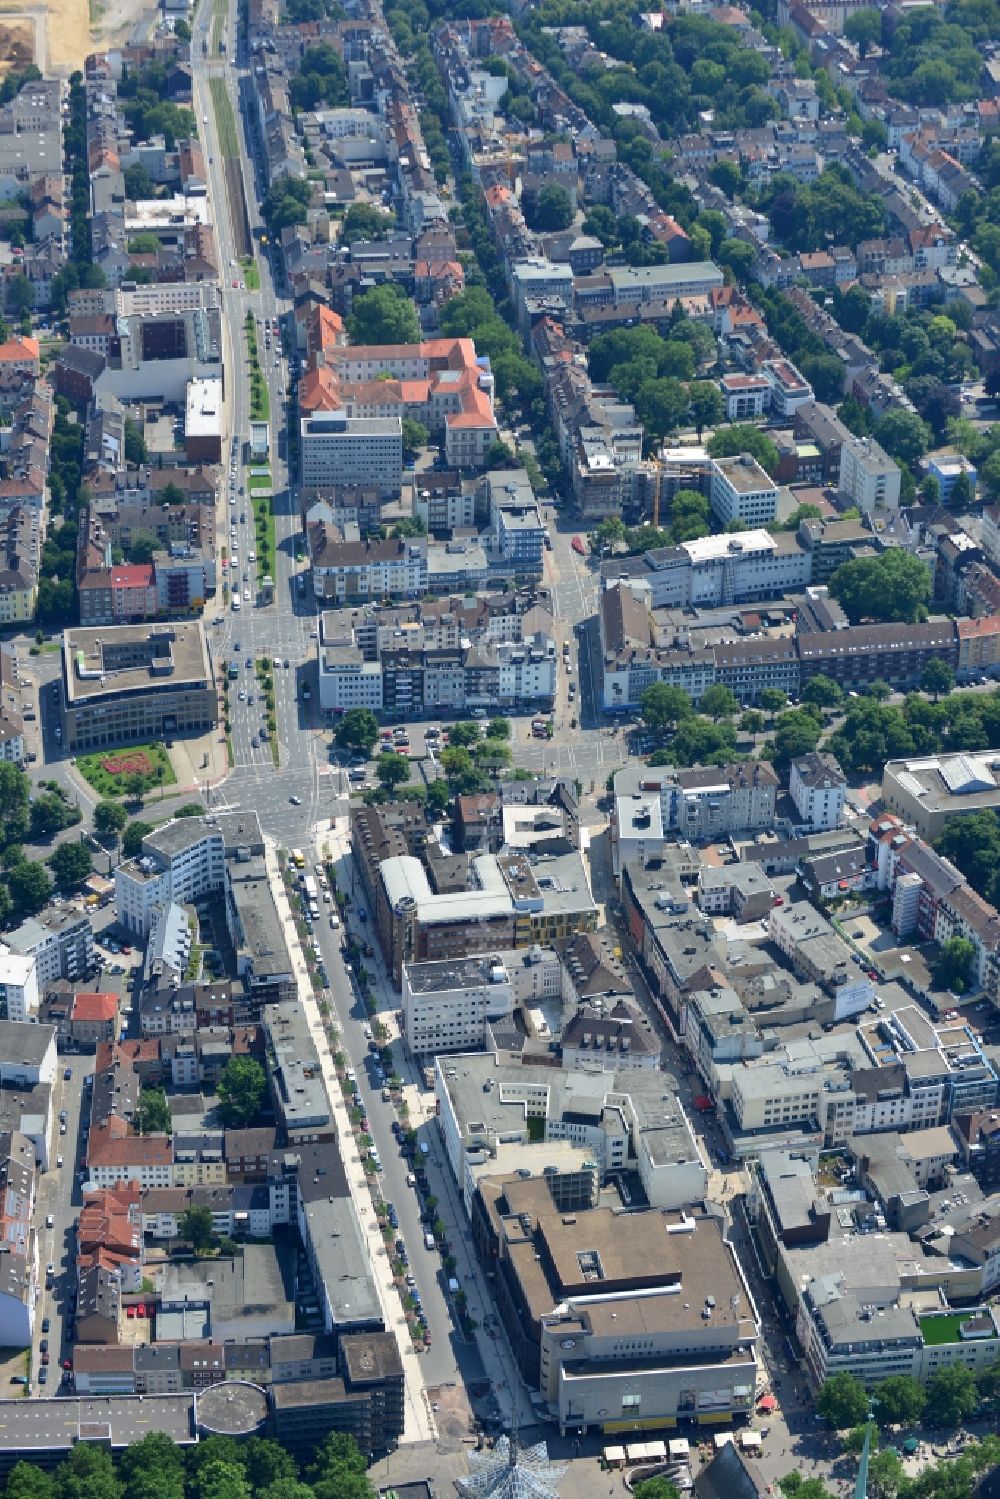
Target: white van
{"type": "Point", "coordinates": [428, 1241]}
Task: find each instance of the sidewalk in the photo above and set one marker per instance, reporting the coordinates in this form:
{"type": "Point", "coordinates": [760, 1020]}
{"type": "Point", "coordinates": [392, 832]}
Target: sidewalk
{"type": "Point", "coordinates": [418, 1420]}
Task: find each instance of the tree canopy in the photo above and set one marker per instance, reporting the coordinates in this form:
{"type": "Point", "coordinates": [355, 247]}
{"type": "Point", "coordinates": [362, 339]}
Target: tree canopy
{"type": "Point", "coordinates": [242, 1090]}
{"type": "Point", "coordinates": [892, 587]}
{"type": "Point", "coordinates": [745, 438]}
{"type": "Point", "coordinates": [384, 315]}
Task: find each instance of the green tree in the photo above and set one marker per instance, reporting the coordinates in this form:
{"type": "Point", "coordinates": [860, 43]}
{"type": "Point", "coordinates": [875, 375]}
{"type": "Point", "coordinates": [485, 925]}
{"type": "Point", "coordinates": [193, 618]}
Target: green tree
{"type": "Point", "coordinates": [951, 1395]}
{"type": "Point", "coordinates": [899, 1400]}
{"type": "Point", "coordinates": [987, 1385]}
{"type": "Point", "coordinates": [88, 1473]}
{"type": "Point", "coordinates": [954, 964]}
{"type": "Point", "coordinates": [823, 692]}
{"type": "Point", "coordinates": [663, 706]}
{"type": "Point", "coordinates": [152, 1115]}
{"type": "Point", "coordinates": [751, 722]}
{"type": "Point", "coordinates": [465, 733]}
{"type": "Point", "coordinates": [492, 754]}
{"type": "Point", "coordinates": [357, 731]}
{"type": "Point", "coordinates": [384, 315]}
{"type": "Point", "coordinates": [689, 516]}
{"type": "Point", "coordinates": [28, 1481]}
{"type": "Point", "coordinates": [365, 221]}
{"type": "Point", "coordinates": [937, 677]}
{"type": "Point", "coordinates": [772, 700]}
{"type": "Point", "coordinates": [498, 728]}
{"type": "Point", "coordinates": [143, 549]}
{"type": "Point", "coordinates": [456, 762]}
{"type": "Point", "coordinates": [549, 210]}
{"type": "Point", "coordinates": [109, 817]}
{"type": "Point", "coordinates": [132, 838]}
{"type": "Point", "coordinates": [135, 444]}
{"type": "Point", "coordinates": [655, 1488]}
{"type": "Point", "coordinates": [20, 295]}
{"type": "Point", "coordinates": [795, 733]}
{"type": "Point", "coordinates": [745, 438]}
{"type": "Point", "coordinates": [864, 29]}
{"type": "Point", "coordinates": [48, 815]}
{"type": "Point", "coordinates": [267, 1462]}
{"type": "Point", "coordinates": [153, 1453]}
{"type": "Point", "coordinates": [438, 797]}
{"type": "Point", "coordinates": [415, 435]}
{"type": "Point", "coordinates": [894, 586]}
{"type": "Point", "coordinates": [904, 436]}
{"type": "Point", "coordinates": [719, 702]}
{"type": "Point", "coordinates": [842, 1402]}
{"type": "Point", "coordinates": [705, 401]}
{"type": "Point", "coordinates": [217, 1480]}
{"type": "Point", "coordinates": [242, 1090]}
{"type": "Point", "coordinates": [197, 1228]}
{"type": "Point", "coordinates": [392, 770]}
{"type": "Point", "coordinates": [71, 863]}
{"type": "Point", "coordinates": [134, 785]}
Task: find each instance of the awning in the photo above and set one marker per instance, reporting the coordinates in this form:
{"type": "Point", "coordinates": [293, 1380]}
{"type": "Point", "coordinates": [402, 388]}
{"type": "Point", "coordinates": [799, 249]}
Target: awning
{"type": "Point", "coordinates": [750, 1440]}
{"type": "Point", "coordinates": [614, 1454]}
{"type": "Point", "coordinates": [767, 1403]}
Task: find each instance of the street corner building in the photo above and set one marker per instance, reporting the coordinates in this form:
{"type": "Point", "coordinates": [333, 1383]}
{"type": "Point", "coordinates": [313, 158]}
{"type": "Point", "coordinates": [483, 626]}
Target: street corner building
{"type": "Point", "coordinates": [132, 683]}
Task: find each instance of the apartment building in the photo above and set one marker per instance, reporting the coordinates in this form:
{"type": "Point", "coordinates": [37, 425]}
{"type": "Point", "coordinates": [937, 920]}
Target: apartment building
{"type": "Point", "coordinates": [19, 993]}
{"type": "Point", "coordinates": [59, 940]}
{"type": "Point", "coordinates": [869, 478]}
{"type": "Point", "coordinates": [818, 787]}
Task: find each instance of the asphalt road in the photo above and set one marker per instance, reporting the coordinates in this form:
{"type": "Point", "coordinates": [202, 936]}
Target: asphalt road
{"type": "Point", "coordinates": [59, 1195]}
{"type": "Point", "coordinates": [440, 1364]}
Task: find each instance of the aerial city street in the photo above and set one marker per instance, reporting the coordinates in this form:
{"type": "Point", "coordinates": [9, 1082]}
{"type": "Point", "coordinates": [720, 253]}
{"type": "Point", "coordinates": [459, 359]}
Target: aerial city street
{"type": "Point", "coordinates": [500, 750]}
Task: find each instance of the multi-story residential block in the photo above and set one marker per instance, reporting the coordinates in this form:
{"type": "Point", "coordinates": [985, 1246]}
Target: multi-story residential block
{"type": "Point", "coordinates": [869, 478]}
{"type": "Point", "coordinates": [19, 993]}
{"type": "Point", "coordinates": [60, 941]}
{"type": "Point", "coordinates": [349, 571]}
{"type": "Point", "coordinates": [818, 787]}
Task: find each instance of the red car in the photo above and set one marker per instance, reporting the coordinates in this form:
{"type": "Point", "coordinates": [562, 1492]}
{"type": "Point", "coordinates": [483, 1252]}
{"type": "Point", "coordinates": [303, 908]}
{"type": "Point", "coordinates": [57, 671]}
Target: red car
{"type": "Point", "coordinates": [126, 949]}
{"type": "Point", "coordinates": [67, 1364]}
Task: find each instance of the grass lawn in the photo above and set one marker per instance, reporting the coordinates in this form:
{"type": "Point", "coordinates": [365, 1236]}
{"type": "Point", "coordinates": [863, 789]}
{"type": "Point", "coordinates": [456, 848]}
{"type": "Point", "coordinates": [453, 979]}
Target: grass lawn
{"type": "Point", "coordinates": [109, 778]}
{"type": "Point", "coordinates": [225, 119]}
{"type": "Point", "coordinates": [251, 275]}
{"type": "Point", "coordinates": [259, 481]}
{"type": "Point", "coordinates": [943, 1329]}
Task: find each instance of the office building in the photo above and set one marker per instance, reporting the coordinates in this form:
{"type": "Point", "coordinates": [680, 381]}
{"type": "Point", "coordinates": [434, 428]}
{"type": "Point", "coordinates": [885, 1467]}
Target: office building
{"type": "Point", "coordinates": [619, 1331]}
{"type": "Point", "coordinates": [447, 1005]}
{"type": "Point", "coordinates": [337, 449]}
{"type": "Point", "coordinates": [129, 682]}
{"type": "Point", "coordinates": [741, 491]}
{"type": "Point", "coordinates": [928, 793]}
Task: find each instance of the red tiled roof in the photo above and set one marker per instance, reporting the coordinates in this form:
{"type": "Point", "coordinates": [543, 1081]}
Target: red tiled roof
{"type": "Point", "coordinates": [95, 1007]}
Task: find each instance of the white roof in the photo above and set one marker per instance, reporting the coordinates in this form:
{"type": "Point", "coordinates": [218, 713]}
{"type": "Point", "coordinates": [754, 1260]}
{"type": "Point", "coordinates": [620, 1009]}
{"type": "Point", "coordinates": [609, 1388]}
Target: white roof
{"type": "Point", "coordinates": [203, 408]}
{"type": "Point", "coordinates": [715, 548]}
